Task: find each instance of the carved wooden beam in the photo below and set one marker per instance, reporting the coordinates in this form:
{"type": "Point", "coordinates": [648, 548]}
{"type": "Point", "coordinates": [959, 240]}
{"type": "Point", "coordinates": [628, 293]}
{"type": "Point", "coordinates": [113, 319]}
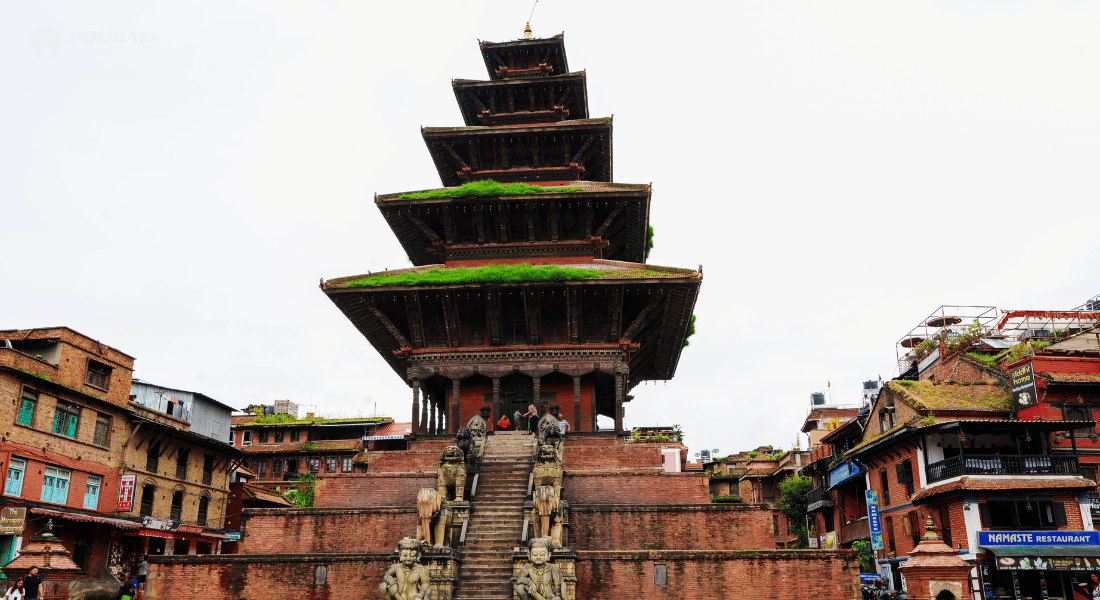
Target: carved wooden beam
{"type": "Point", "coordinates": [479, 222]}
{"type": "Point", "coordinates": [615, 315]}
{"type": "Point", "coordinates": [458, 162]}
{"type": "Point", "coordinates": [492, 315]}
{"type": "Point", "coordinates": [589, 216]}
{"type": "Point", "coordinates": [584, 148]}
{"type": "Point", "coordinates": [531, 311]}
{"type": "Point", "coordinates": [412, 309]}
{"type": "Point", "coordinates": [574, 304]}
{"type": "Point", "coordinates": [644, 317]}
{"type": "Point", "coordinates": [450, 316]}
{"type": "Point", "coordinates": [386, 322]}
{"type": "Point", "coordinates": [610, 218]}
{"type": "Point", "coordinates": [531, 214]}
{"type": "Point", "coordinates": [432, 236]}
{"type": "Point", "coordinates": [502, 223]}
{"type": "Point", "coordinates": [554, 216]}
{"type": "Point", "coordinates": [472, 96]}
{"type": "Point", "coordinates": [448, 223]}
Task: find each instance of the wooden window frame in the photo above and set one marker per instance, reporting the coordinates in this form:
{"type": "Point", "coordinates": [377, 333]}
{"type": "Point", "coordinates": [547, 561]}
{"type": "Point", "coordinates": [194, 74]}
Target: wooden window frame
{"type": "Point", "coordinates": [95, 372]}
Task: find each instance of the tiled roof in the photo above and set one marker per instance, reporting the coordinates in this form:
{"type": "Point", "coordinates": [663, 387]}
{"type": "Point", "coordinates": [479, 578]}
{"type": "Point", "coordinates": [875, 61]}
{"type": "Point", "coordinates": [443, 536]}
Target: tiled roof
{"type": "Point", "coordinates": [993, 484]}
{"type": "Point", "coordinates": [1070, 377]}
{"type": "Point", "coordinates": [556, 125]}
{"type": "Point", "coordinates": [315, 446]}
{"type": "Point", "coordinates": [252, 492]}
{"type": "Point", "coordinates": [251, 421]}
{"type": "Point", "coordinates": [927, 395]}
{"type": "Point", "coordinates": [394, 429]}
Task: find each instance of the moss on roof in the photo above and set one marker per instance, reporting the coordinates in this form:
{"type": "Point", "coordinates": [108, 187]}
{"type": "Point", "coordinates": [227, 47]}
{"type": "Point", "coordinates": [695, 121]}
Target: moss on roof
{"type": "Point", "coordinates": [488, 187]}
{"type": "Point", "coordinates": [927, 395]}
{"type": "Point", "coordinates": [285, 419]}
{"type": "Point", "coordinates": [494, 274]}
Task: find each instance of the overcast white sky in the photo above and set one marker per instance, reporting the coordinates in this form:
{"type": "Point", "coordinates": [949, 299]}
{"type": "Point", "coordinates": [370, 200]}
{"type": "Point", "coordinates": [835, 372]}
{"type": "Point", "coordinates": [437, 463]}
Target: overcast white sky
{"type": "Point", "coordinates": [840, 169]}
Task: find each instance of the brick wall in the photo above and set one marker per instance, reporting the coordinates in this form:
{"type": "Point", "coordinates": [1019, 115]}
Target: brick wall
{"type": "Point", "coordinates": [962, 370]}
{"type": "Point", "coordinates": [680, 527]}
{"type": "Point", "coordinates": [361, 490]}
{"type": "Point", "coordinates": [312, 531]}
{"type": "Point", "coordinates": [731, 575]}
{"type": "Point", "coordinates": [635, 487]}
{"type": "Point", "coordinates": [286, 577]}
{"type": "Point", "coordinates": [579, 456]}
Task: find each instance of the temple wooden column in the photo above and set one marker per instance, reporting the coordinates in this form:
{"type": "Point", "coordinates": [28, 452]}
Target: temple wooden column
{"type": "Point", "coordinates": [619, 383]}
{"type": "Point", "coordinates": [496, 398]}
{"type": "Point", "coordinates": [424, 412]}
{"type": "Point", "coordinates": [453, 419]}
{"type": "Point", "coordinates": [536, 384]}
{"type": "Point", "coordinates": [434, 402]}
{"type": "Point", "coordinates": [577, 403]}
{"type": "Point", "coordinates": [416, 406]}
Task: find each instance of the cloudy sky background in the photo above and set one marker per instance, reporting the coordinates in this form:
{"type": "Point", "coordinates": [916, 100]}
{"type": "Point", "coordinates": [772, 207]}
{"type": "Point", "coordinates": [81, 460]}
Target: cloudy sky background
{"type": "Point", "coordinates": [839, 169]}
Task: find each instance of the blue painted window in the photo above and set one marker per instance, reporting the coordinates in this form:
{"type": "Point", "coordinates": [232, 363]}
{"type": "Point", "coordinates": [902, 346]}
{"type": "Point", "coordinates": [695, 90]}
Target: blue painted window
{"type": "Point", "coordinates": [14, 486]}
{"type": "Point", "coordinates": [64, 422]}
{"type": "Point", "coordinates": [26, 408]}
{"type": "Point", "coordinates": [91, 492]}
{"type": "Point", "coordinates": [55, 485]}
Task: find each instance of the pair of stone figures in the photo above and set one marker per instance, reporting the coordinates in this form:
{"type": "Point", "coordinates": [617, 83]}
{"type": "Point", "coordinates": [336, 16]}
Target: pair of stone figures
{"type": "Point", "coordinates": [539, 580]}
{"type": "Point", "coordinates": [435, 504]}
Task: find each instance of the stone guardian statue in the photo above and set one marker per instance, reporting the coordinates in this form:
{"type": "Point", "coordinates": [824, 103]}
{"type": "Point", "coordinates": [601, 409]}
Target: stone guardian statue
{"type": "Point", "coordinates": [546, 494]}
{"type": "Point", "coordinates": [407, 579]}
{"type": "Point", "coordinates": [540, 579]}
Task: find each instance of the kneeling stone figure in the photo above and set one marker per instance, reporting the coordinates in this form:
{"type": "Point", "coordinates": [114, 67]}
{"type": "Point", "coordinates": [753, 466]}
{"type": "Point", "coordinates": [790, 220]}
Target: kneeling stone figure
{"type": "Point", "coordinates": [541, 579]}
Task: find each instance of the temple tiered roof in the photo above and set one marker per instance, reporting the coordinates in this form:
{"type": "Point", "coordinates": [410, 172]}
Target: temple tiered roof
{"type": "Point", "coordinates": [520, 59]}
{"type": "Point", "coordinates": [505, 102]}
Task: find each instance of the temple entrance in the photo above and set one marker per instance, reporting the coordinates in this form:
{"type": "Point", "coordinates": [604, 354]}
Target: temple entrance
{"type": "Point", "coordinates": [516, 393]}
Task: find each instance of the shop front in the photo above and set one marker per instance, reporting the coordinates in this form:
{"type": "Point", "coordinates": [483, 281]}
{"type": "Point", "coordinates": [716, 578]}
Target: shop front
{"type": "Point", "coordinates": [1040, 565]}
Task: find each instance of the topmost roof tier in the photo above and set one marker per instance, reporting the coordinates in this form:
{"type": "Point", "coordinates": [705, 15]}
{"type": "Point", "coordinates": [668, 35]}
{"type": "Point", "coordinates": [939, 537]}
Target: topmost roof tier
{"type": "Point", "coordinates": [524, 59]}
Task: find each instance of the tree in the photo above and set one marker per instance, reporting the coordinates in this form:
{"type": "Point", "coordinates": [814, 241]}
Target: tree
{"type": "Point", "coordinates": [792, 503]}
{"type": "Point", "coordinates": [866, 555]}
{"type": "Point", "coordinates": [301, 495]}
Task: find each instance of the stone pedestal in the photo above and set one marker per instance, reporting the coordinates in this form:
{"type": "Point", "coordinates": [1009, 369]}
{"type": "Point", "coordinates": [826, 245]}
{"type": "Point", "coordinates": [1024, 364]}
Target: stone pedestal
{"type": "Point", "coordinates": [530, 516]}
{"type": "Point", "coordinates": [933, 568]}
{"type": "Point", "coordinates": [443, 568]}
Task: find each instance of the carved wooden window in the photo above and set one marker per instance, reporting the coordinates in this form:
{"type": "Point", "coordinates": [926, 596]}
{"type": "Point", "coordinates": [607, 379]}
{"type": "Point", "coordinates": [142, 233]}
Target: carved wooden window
{"type": "Point", "coordinates": [477, 337]}
{"type": "Point", "coordinates": [595, 327]}
{"type": "Point", "coordinates": [204, 508]}
{"type": "Point", "coordinates": [555, 328]}
{"type": "Point", "coordinates": [515, 330]}
{"type": "Point", "coordinates": [437, 330]}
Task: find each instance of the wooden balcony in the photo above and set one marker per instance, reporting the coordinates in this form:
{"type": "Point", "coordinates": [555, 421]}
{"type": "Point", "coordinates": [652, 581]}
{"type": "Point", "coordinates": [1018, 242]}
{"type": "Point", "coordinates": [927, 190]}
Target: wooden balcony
{"type": "Point", "coordinates": [856, 530]}
{"type": "Point", "coordinates": [818, 498]}
{"type": "Point", "coordinates": [998, 464]}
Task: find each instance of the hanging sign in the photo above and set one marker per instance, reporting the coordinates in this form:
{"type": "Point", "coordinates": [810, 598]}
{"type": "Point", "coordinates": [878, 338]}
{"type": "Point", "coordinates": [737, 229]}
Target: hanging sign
{"type": "Point", "coordinates": [992, 539]}
{"type": "Point", "coordinates": [1024, 393]}
{"type": "Point", "coordinates": [12, 519]}
{"type": "Point", "coordinates": [126, 486]}
{"type": "Point", "coordinates": [192, 529]}
{"type": "Point", "coordinates": [873, 521]}
{"type": "Point", "coordinates": [845, 471]}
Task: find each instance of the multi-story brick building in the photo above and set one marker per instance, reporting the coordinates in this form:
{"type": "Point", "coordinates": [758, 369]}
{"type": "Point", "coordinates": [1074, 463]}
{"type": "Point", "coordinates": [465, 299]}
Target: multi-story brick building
{"type": "Point", "coordinates": [951, 452]}
{"type": "Point", "coordinates": [75, 448]}
{"type": "Point", "coordinates": [281, 447]}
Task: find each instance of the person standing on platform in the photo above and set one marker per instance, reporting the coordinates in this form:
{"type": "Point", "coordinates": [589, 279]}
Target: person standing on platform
{"type": "Point", "coordinates": [31, 584]}
{"type": "Point", "coordinates": [531, 415]}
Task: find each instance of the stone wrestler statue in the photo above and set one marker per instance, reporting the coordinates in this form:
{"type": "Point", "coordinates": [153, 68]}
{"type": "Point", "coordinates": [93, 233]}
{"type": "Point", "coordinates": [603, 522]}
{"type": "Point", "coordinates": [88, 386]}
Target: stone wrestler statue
{"type": "Point", "coordinates": [540, 580]}
{"type": "Point", "coordinates": [407, 579]}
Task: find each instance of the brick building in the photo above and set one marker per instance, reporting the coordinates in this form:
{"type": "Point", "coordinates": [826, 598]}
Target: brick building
{"type": "Point", "coordinates": [78, 444]}
{"type": "Point", "coordinates": [951, 452]}
{"type": "Point", "coordinates": [281, 447]}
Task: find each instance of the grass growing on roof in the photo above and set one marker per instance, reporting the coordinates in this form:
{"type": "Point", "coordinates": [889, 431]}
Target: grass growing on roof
{"type": "Point", "coordinates": [648, 240]}
{"type": "Point", "coordinates": [487, 274]}
{"type": "Point", "coordinates": [488, 187]}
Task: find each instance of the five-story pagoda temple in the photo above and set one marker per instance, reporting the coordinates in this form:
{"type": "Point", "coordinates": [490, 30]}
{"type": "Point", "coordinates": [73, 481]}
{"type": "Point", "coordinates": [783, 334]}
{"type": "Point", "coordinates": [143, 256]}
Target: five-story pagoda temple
{"type": "Point", "coordinates": [530, 282]}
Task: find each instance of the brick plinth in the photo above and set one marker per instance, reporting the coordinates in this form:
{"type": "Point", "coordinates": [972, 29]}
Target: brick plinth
{"type": "Point", "coordinates": [361, 490]}
{"type": "Point", "coordinates": [635, 487]}
{"type": "Point", "coordinates": [678, 527]}
{"type": "Point", "coordinates": [731, 575]}
{"type": "Point", "coordinates": [312, 531]}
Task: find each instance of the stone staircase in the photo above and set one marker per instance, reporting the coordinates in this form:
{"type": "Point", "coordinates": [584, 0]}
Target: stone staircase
{"type": "Point", "coordinates": [496, 517]}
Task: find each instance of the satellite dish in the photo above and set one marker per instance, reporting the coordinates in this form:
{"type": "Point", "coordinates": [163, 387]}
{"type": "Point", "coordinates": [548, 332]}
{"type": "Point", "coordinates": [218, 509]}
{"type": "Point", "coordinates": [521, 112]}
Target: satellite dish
{"type": "Point", "coordinates": [696, 454]}
{"type": "Point", "coordinates": [715, 451]}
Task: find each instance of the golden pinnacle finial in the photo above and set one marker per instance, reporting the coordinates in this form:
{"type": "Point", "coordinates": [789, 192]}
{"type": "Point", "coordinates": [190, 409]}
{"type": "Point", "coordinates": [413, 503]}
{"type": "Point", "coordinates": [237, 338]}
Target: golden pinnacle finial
{"type": "Point", "coordinates": [527, 32]}
{"type": "Point", "coordinates": [930, 531]}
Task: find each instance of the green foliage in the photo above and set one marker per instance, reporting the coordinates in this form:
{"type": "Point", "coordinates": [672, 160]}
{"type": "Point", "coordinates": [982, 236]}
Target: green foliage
{"type": "Point", "coordinates": [690, 332]}
{"type": "Point", "coordinates": [488, 187]}
{"type": "Point", "coordinates": [753, 454]}
{"type": "Point", "coordinates": [36, 374]}
{"type": "Point", "coordinates": [1018, 351]}
{"type": "Point", "coordinates": [924, 347]}
{"type": "Point", "coordinates": [986, 359]}
{"type": "Point", "coordinates": [487, 274]}
{"type": "Point", "coordinates": [275, 419]}
{"type": "Point", "coordinates": [310, 446]}
{"type": "Point", "coordinates": [301, 494]}
{"type": "Point", "coordinates": [793, 503]}
{"type": "Point", "coordinates": [648, 240]}
{"type": "Point", "coordinates": [866, 555]}
{"type": "Point", "coordinates": [725, 499]}
{"type": "Point", "coordinates": [927, 421]}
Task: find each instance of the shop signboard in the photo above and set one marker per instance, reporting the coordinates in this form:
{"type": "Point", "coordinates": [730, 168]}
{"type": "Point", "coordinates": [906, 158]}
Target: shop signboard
{"type": "Point", "coordinates": [843, 472]}
{"type": "Point", "coordinates": [1024, 393]}
{"type": "Point", "coordinates": [233, 536]}
{"type": "Point", "coordinates": [12, 519]}
{"type": "Point", "coordinates": [126, 486]}
{"type": "Point", "coordinates": [830, 540]}
{"type": "Point", "coordinates": [158, 524]}
{"type": "Point", "coordinates": [873, 520]}
{"type": "Point", "coordinates": [868, 577]}
{"type": "Point", "coordinates": [992, 539]}
{"type": "Point", "coordinates": [192, 529]}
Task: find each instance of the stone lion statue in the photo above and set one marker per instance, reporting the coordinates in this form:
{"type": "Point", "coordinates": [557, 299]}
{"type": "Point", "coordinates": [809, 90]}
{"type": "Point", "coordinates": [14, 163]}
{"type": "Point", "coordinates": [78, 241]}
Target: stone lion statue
{"type": "Point", "coordinates": [451, 480]}
{"type": "Point", "coordinates": [465, 442]}
{"type": "Point", "coordinates": [407, 579]}
{"type": "Point", "coordinates": [540, 579]}
{"type": "Point", "coordinates": [430, 506]}
{"type": "Point", "coordinates": [546, 493]}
